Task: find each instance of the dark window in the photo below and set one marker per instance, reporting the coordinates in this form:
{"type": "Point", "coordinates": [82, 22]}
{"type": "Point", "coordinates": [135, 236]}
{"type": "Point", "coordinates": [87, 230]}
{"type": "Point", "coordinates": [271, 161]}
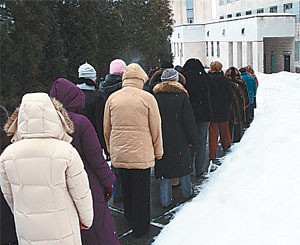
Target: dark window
{"type": "Point", "coordinates": [248, 12]}
{"type": "Point", "coordinates": [229, 16]}
{"type": "Point", "coordinates": [287, 6]}
{"type": "Point", "coordinates": [259, 11]}
{"type": "Point", "coordinates": [223, 32]}
{"type": "Point", "coordinates": [238, 14]}
{"type": "Point", "coordinates": [218, 49]}
{"type": "Point", "coordinates": [297, 51]}
{"type": "Point", "coordinates": [273, 9]}
{"type": "Point", "coordinates": [221, 17]}
{"type": "Point", "coordinates": [243, 31]}
{"type": "Point", "coordinates": [206, 49]}
{"type": "Point", "coordinates": [212, 48]}
{"type": "Point", "coordinates": [207, 33]}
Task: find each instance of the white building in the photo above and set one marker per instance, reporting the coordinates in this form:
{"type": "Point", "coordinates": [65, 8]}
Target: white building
{"type": "Point", "coordinates": [264, 34]}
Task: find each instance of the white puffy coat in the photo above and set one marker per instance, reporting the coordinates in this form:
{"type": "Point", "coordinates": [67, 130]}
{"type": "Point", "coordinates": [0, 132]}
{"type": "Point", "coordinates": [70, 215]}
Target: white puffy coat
{"type": "Point", "coordinates": [42, 175]}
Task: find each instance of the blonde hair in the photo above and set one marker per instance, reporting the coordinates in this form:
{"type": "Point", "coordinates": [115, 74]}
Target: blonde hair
{"type": "Point", "coordinates": [216, 66]}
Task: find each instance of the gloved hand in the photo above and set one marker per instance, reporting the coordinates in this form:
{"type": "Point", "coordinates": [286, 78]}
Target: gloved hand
{"type": "Point", "coordinates": [82, 227]}
{"type": "Point", "coordinates": [108, 191]}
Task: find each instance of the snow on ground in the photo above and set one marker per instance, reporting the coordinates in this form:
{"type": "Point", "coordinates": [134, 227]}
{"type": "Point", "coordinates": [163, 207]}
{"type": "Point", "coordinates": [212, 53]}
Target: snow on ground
{"type": "Point", "coordinates": [254, 197]}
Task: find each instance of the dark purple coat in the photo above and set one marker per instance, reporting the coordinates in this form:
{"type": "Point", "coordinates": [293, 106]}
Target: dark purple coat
{"type": "Point", "coordinates": [86, 142]}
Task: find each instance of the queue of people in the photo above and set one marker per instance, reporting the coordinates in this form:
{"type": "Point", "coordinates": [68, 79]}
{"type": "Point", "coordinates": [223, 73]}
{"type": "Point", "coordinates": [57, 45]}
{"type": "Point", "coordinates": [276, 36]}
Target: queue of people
{"type": "Point", "coordinates": [54, 176]}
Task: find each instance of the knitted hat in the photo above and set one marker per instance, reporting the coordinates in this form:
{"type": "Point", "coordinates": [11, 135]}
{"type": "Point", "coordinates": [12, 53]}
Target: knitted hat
{"type": "Point", "coordinates": [170, 75]}
{"type": "Point", "coordinates": [87, 71]}
{"type": "Point", "coordinates": [117, 67]}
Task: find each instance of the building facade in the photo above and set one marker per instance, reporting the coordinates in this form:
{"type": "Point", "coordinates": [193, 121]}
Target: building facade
{"type": "Point", "coordinates": [264, 34]}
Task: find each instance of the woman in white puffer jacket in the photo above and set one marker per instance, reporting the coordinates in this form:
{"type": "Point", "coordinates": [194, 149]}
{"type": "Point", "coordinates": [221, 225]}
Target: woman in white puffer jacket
{"type": "Point", "coordinates": [42, 175]}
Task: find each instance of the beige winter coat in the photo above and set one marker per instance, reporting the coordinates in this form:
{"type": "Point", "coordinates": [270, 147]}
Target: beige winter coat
{"type": "Point", "coordinates": [132, 124]}
{"type": "Point", "coordinates": [42, 176]}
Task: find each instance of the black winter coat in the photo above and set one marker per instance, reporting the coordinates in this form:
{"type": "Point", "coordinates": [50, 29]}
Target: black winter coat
{"type": "Point", "coordinates": [94, 109]}
{"type": "Point", "coordinates": [111, 84]}
{"type": "Point", "coordinates": [178, 130]}
{"type": "Point", "coordinates": [221, 97]}
{"type": "Point", "coordinates": [197, 84]}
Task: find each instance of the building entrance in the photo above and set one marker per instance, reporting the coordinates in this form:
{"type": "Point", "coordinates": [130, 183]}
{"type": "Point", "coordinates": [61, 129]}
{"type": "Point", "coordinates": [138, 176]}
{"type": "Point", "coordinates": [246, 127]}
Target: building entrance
{"type": "Point", "coordinates": [287, 62]}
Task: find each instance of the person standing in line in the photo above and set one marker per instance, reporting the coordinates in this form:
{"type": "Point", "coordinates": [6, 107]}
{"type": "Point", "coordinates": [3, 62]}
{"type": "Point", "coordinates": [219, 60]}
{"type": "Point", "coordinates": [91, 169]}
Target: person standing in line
{"type": "Point", "coordinates": [198, 85]}
{"type": "Point", "coordinates": [112, 83]}
{"type": "Point", "coordinates": [8, 230]}
{"type": "Point", "coordinates": [240, 100]}
{"type": "Point", "coordinates": [94, 101]}
{"type": "Point", "coordinates": [250, 72]}
{"type": "Point", "coordinates": [42, 175]}
{"type": "Point", "coordinates": [132, 131]}
{"type": "Point", "coordinates": [155, 78]}
{"type": "Point", "coordinates": [179, 135]}
{"type": "Point", "coordinates": [221, 99]}
{"type": "Point", "coordinates": [100, 176]}
{"type": "Point", "coordinates": [251, 86]}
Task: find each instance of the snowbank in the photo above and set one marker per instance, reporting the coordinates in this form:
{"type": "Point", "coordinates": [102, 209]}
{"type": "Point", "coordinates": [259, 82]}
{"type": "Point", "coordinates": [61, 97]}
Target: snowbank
{"type": "Point", "coordinates": [254, 197]}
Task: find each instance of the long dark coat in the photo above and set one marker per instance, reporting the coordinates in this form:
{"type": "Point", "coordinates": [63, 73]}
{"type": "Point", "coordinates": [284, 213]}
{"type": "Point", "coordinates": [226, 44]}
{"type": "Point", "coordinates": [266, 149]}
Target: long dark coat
{"type": "Point", "coordinates": [197, 84]}
{"type": "Point", "coordinates": [240, 100]}
{"type": "Point", "coordinates": [221, 97]}
{"type": "Point", "coordinates": [99, 173]}
{"type": "Point", "coordinates": [93, 109]}
{"type": "Point", "coordinates": [8, 231]}
{"type": "Point", "coordinates": [178, 129]}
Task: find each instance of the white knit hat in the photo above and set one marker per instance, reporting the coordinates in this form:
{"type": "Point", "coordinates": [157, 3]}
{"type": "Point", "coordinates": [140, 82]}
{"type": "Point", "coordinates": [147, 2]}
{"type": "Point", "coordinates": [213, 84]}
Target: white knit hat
{"type": "Point", "coordinates": [87, 71]}
{"type": "Point", "coordinates": [170, 75]}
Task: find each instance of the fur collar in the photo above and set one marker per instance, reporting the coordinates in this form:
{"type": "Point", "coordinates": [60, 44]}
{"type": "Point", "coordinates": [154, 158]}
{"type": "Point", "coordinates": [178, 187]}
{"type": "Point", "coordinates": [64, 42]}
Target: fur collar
{"type": "Point", "coordinates": [11, 125]}
{"type": "Point", "coordinates": [170, 87]}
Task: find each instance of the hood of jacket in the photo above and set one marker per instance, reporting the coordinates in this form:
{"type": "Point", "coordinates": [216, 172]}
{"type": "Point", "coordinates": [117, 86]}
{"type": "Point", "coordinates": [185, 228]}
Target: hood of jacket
{"type": "Point", "coordinates": [134, 76]}
{"type": "Point", "coordinates": [111, 83]}
{"type": "Point", "coordinates": [39, 116]}
{"type": "Point", "coordinates": [68, 94]}
{"type": "Point", "coordinates": [193, 65]}
{"type": "Point", "coordinates": [170, 87]}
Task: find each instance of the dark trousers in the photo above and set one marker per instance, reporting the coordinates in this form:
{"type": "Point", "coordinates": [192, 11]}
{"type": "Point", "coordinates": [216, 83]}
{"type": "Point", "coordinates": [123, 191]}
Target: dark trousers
{"type": "Point", "coordinates": [249, 114]}
{"type": "Point", "coordinates": [214, 129]}
{"type": "Point", "coordinates": [136, 199]}
{"type": "Point", "coordinates": [235, 132]}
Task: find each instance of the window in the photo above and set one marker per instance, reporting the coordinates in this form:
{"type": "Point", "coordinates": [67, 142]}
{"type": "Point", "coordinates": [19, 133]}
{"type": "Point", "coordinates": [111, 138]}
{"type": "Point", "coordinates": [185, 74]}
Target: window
{"type": "Point", "coordinates": [273, 9]}
{"type": "Point", "coordinates": [206, 47]}
{"type": "Point", "coordinates": [177, 49]}
{"type": "Point", "coordinates": [259, 11]}
{"type": "Point", "coordinates": [297, 51]}
{"type": "Point", "coordinates": [229, 16]}
{"type": "Point", "coordinates": [223, 32]}
{"type": "Point", "coordinates": [207, 33]}
{"type": "Point", "coordinates": [212, 48]}
{"type": "Point", "coordinates": [287, 6]}
{"type": "Point", "coordinates": [218, 49]}
{"type": "Point", "coordinates": [238, 14]}
{"type": "Point", "coordinates": [190, 11]}
{"type": "Point", "coordinates": [243, 31]}
{"type": "Point", "coordinates": [221, 17]}
{"type": "Point", "coordinates": [181, 50]}
{"type": "Point", "coordinates": [248, 12]}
